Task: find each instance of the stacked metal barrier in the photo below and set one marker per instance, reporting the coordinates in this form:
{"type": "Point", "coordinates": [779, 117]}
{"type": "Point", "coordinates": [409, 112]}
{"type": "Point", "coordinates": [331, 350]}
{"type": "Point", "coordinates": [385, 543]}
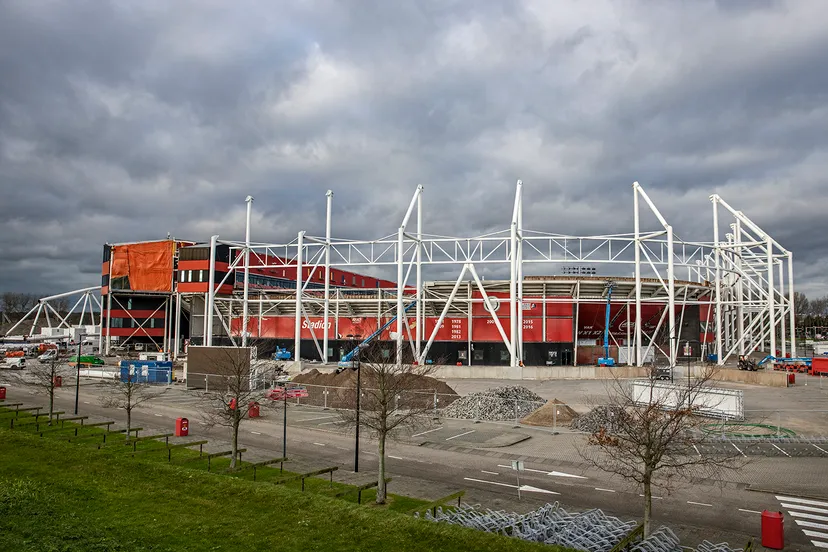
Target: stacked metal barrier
{"type": "Point", "coordinates": [591, 531]}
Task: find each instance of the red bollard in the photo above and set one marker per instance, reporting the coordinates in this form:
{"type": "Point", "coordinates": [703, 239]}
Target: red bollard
{"type": "Point", "coordinates": [773, 530]}
{"type": "Point", "coordinates": [253, 409]}
{"type": "Point", "coordinates": [58, 381]}
{"type": "Point", "coordinates": [2, 393]}
{"type": "Point", "coordinates": [182, 427]}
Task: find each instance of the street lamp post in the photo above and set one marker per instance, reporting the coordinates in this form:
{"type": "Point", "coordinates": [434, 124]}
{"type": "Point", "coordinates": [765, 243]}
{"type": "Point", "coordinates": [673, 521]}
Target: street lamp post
{"type": "Point", "coordinates": [355, 359]}
{"type": "Point", "coordinates": [77, 380]}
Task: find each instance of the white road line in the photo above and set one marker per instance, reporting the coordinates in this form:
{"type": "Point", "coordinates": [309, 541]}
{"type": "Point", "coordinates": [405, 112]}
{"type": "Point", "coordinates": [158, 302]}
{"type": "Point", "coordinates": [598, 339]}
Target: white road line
{"type": "Point", "coordinates": [605, 490]}
{"type": "Point", "coordinates": [819, 448]}
{"type": "Point", "coordinates": [87, 402]}
{"type": "Point", "coordinates": [780, 450]}
{"type": "Point", "coordinates": [490, 482]}
{"type": "Point", "coordinates": [699, 503]}
{"type": "Point", "coordinates": [737, 448]}
{"type": "Point", "coordinates": [429, 431]}
{"type": "Point", "coordinates": [159, 415]}
{"type": "Point", "coordinates": [319, 444]}
{"type": "Point", "coordinates": [803, 501]}
{"type": "Point", "coordinates": [456, 436]}
{"type": "Point", "coordinates": [395, 457]}
{"type": "Point", "coordinates": [750, 511]}
{"type": "Point", "coordinates": [531, 489]}
{"type": "Point", "coordinates": [820, 544]}
{"type": "Point", "coordinates": [563, 474]}
{"type": "Point", "coordinates": [808, 516]}
{"type": "Point", "coordinates": [317, 418]}
{"type": "Point", "coordinates": [811, 524]}
{"type": "Point", "coordinates": [329, 423]}
{"type": "Point", "coordinates": [552, 473]}
{"type": "Point", "coordinates": [804, 508]}
{"type": "Point", "coordinates": [255, 433]}
{"type": "Point", "coordinates": [655, 497]}
{"type": "Point", "coordinates": [490, 473]}
{"type": "Point", "coordinates": [697, 450]}
{"type": "Point", "coordinates": [815, 534]}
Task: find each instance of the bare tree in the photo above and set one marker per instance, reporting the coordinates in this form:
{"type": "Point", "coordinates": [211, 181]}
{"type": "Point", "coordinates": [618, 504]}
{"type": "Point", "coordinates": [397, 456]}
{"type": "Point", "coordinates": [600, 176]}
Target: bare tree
{"type": "Point", "coordinates": [802, 305]}
{"type": "Point", "coordinates": [235, 381]}
{"type": "Point", "coordinates": [650, 441]}
{"type": "Point", "coordinates": [128, 393]}
{"type": "Point", "coordinates": [394, 395]}
{"type": "Point", "coordinates": [44, 376]}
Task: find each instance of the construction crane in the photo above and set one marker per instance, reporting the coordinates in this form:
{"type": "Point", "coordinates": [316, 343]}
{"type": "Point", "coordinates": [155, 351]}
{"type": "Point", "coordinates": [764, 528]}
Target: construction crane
{"type": "Point", "coordinates": [348, 360]}
{"type": "Point", "coordinates": [607, 360]}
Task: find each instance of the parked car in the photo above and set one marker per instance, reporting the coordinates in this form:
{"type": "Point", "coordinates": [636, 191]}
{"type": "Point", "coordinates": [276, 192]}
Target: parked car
{"type": "Point", "coordinates": [50, 354]}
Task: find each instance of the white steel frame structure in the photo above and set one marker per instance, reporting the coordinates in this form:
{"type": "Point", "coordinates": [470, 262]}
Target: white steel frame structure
{"type": "Point", "coordinates": [735, 274]}
{"type": "Point", "coordinates": [87, 301]}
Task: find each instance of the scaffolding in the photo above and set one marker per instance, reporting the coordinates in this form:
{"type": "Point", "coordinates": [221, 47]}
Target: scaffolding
{"type": "Point", "coordinates": [742, 275]}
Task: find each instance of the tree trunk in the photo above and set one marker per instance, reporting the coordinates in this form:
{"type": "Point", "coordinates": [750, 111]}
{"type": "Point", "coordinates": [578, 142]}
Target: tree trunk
{"type": "Point", "coordinates": [236, 423]}
{"type": "Point", "coordinates": [51, 400]}
{"type": "Point", "coordinates": [381, 491]}
{"type": "Point", "coordinates": [648, 505]}
{"type": "Point", "coordinates": [129, 423]}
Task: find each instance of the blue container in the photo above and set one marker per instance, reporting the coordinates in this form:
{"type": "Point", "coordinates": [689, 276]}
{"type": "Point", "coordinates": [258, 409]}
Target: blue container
{"type": "Point", "coordinates": [146, 371]}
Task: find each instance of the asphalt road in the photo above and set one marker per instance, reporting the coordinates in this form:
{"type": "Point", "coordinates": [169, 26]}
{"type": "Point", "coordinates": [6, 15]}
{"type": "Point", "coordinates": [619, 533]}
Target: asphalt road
{"type": "Point", "coordinates": [442, 464]}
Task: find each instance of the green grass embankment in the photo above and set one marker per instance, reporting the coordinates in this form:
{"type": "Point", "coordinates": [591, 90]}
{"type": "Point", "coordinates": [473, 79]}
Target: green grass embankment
{"type": "Point", "coordinates": [58, 496]}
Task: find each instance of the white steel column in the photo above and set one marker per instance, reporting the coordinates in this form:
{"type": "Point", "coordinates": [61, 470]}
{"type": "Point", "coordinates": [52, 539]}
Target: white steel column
{"type": "Point", "coordinates": [249, 201]}
{"type": "Point", "coordinates": [513, 269]}
{"type": "Point", "coordinates": [109, 315]}
{"type": "Point", "coordinates": [211, 293]}
{"type": "Point", "coordinates": [164, 347]}
{"type": "Point", "coordinates": [671, 301]}
{"type": "Point", "coordinates": [717, 254]}
{"type": "Point", "coordinates": [791, 313]}
{"type": "Point", "coordinates": [400, 288]}
{"type": "Point", "coordinates": [297, 328]}
{"type": "Point", "coordinates": [771, 304]}
{"type": "Point", "coordinates": [629, 345]}
{"type": "Point", "coordinates": [519, 262]}
{"type": "Point", "coordinates": [783, 328]}
{"type": "Point", "coordinates": [740, 288]}
{"type": "Point", "coordinates": [177, 332]}
{"type": "Point", "coordinates": [420, 311]}
{"type": "Point", "coordinates": [327, 308]}
{"type": "Point", "coordinates": [638, 359]}
{"type": "Point", "coordinates": [575, 329]}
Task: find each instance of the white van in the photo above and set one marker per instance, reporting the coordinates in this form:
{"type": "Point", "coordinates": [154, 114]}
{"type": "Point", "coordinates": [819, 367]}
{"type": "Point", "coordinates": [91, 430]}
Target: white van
{"type": "Point", "coordinates": [16, 362]}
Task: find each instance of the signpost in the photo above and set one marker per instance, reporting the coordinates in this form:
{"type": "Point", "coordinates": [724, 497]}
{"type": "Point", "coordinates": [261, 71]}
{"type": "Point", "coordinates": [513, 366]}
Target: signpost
{"type": "Point", "coordinates": [517, 465]}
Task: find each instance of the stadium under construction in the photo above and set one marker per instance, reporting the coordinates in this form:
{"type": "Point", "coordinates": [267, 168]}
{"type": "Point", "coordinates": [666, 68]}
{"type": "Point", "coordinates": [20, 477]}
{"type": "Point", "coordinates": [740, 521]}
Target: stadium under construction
{"type": "Point", "coordinates": [659, 296]}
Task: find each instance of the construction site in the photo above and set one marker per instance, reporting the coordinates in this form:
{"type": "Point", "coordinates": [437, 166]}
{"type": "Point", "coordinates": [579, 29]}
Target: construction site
{"type": "Point", "coordinates": [637, 298]}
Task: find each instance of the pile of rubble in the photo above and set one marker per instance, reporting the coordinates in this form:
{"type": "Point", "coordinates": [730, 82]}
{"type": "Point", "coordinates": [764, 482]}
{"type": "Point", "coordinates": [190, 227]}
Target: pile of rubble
{"type": "Point", "coordinates": [497, 404]}
{"type": "Point", "coordinates": [608, 418]}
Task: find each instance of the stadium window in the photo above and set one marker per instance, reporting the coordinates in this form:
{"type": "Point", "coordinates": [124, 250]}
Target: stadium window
{"type": "Point", "coordinates": [363, 282]}
{"type": "Point", "coordinates": [189, 275]}
{"type": "Point", "coordinates": [354, 280]}
{"type": "Point", "coordinates": [129, 304]}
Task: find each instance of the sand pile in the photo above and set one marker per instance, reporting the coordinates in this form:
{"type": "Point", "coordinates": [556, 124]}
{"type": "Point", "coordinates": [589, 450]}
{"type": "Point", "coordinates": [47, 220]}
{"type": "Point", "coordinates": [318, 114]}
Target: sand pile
{"type": "Point", "coordinates": [552, 413]}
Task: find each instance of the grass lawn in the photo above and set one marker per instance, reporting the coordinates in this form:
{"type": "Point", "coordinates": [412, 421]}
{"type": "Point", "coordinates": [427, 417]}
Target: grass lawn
{"type": "Point", "coordinates": [57, 496]}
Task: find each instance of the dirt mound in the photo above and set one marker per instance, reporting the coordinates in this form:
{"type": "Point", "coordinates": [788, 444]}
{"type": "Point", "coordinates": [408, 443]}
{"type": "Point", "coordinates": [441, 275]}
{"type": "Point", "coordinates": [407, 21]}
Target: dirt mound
{"type": "Point", "coordinates": [340, 388]}
{"type": "Point", "coordinates": [552, 413]}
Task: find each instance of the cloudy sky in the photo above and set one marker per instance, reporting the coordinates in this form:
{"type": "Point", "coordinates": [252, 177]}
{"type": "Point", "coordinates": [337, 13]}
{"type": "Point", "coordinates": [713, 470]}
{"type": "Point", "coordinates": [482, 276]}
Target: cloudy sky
{"type": "Point", "coordinates": [125, 120]}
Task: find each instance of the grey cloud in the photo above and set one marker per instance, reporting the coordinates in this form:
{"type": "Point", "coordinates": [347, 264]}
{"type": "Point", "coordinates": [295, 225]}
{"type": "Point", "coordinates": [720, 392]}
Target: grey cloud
{"type": "Point", "coordinates": [121, 122]}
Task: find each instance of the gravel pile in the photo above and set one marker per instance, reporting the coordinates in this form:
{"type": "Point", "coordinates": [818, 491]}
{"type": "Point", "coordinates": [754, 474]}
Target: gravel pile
{"type": "Point", "coordinates": [496, 404]}
{"type": "Point", "coordinates": [606, 417]}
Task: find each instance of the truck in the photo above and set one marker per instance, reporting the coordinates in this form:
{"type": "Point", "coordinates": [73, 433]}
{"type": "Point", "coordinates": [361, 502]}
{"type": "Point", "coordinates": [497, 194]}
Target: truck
{"type": "Point", "coordinates": [86, 360]}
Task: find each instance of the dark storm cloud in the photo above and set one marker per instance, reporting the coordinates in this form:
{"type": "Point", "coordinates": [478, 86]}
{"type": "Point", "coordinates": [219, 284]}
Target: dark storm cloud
{"type": "Point", "coordinates": [122, 121]}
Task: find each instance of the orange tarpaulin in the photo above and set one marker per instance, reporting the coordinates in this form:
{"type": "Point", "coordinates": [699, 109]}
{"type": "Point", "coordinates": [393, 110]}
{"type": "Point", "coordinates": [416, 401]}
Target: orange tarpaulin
{"type": "Point", "coordinates": [143, 266]}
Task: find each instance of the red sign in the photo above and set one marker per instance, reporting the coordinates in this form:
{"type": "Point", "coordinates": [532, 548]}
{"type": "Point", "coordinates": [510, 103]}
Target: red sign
{"type": "Point", "coordinates": [558, 330]}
